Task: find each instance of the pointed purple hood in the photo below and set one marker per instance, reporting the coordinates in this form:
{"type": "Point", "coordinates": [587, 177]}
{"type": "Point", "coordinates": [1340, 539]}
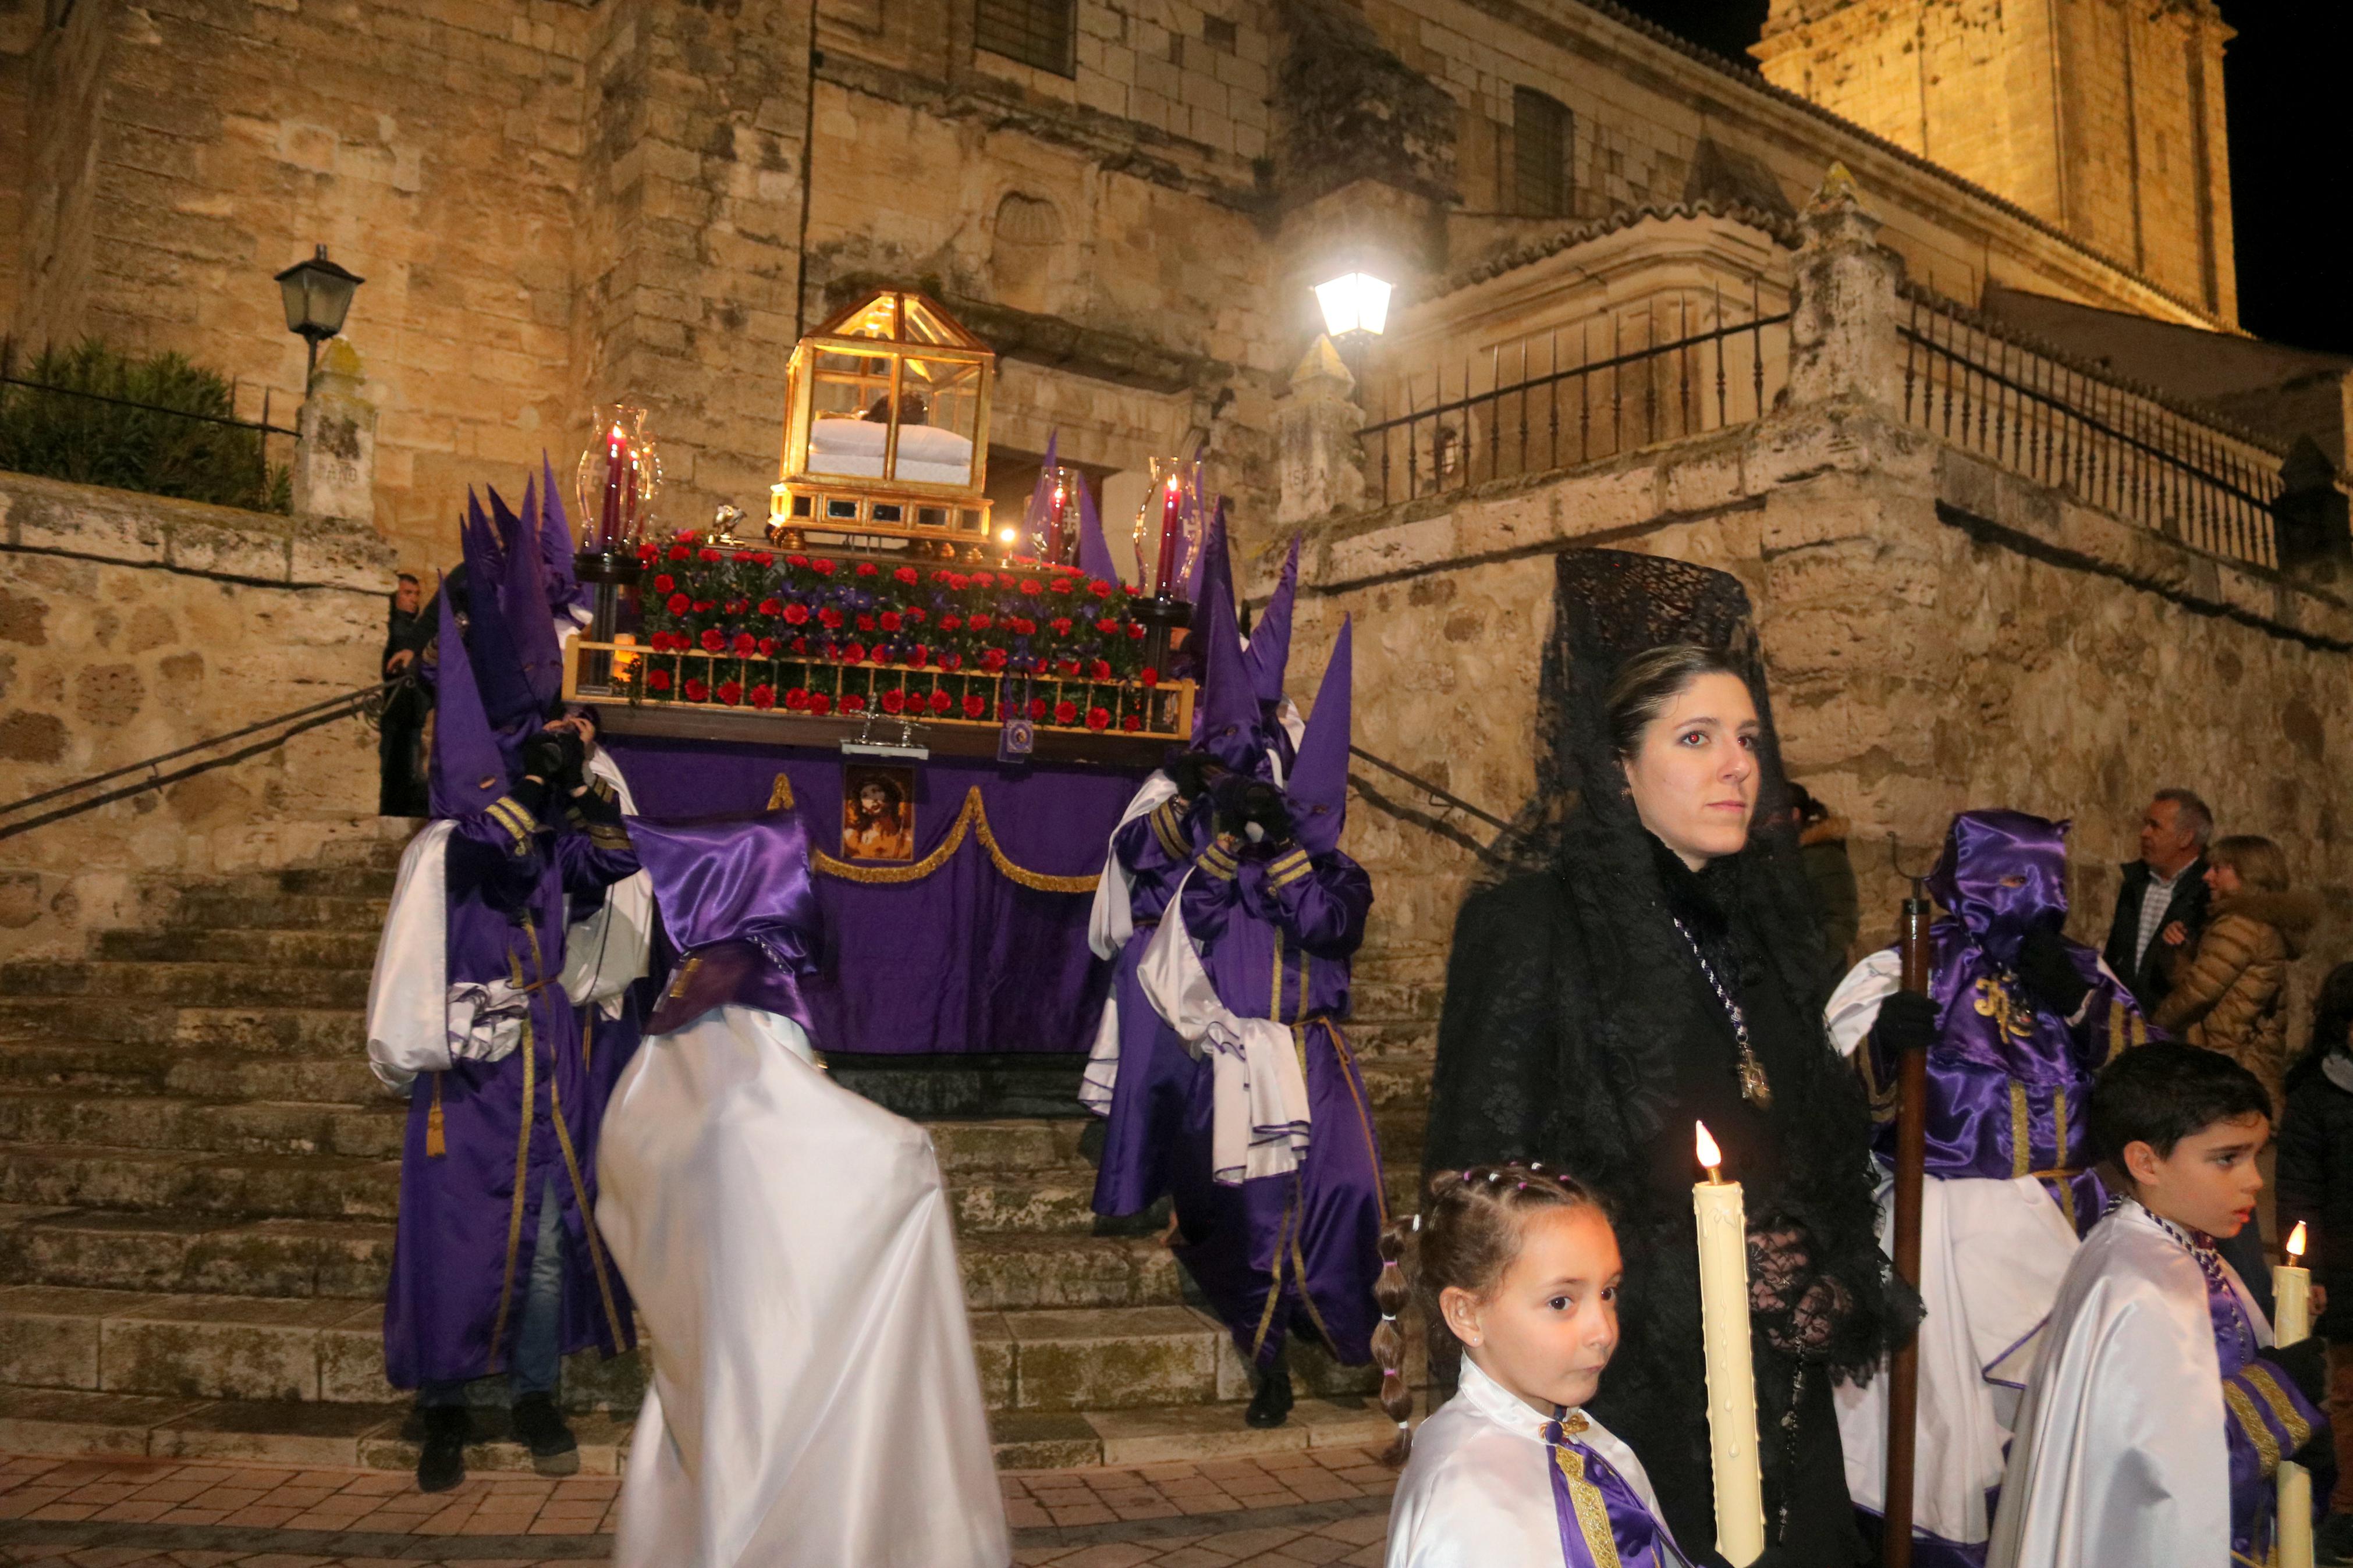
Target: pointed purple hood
{"type": "Point", "coordinates": [523, 601]}
{"type": "Point", "coordinates": [490, 646]}
{"type": "Point", "coordinates": [1094, 550]}
{"type": "Point", "coordinates": [468, 769]}
{"type": "Point", "coordinates": [1318, 786]}
{"type": "Point", "coordinates": [1226, 709]}
{"type": "Point", "coordinates": [563, 590]}
{"type": "Point", "coordinates": [1270, 643]}
{"type": "Point", "coordinates": [1983, 851]}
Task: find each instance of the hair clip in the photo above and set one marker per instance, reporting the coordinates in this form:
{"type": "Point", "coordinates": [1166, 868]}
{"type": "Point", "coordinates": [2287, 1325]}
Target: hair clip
{"type": "Point", "coordinates": [1401, 1426]}
{"type": "Point", "coordinates": [1466, 1172]}
{"type": "Point", "coordinates": [1388, 1317]}
{"type": "Point", "coordinates": [1417, 1223]}
{"type": "Point", "coordinates": [1389, 1263]}
{"type": "Point", "coordinates": [1519, 1186]}
{"type": "Point", "coordinates": [1535, 1164]}
{"type": "Point", "coordinates": [1494, 1176]}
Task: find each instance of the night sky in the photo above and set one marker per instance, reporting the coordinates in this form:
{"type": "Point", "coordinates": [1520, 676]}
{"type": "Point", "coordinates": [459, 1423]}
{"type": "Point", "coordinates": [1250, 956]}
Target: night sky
{"type": "Point", "coordinates": [2283, 81]}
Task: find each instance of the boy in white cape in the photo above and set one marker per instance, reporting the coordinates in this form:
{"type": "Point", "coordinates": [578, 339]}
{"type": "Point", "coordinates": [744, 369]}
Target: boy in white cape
{"type": "Point", "coordinates": [2158, 1411]}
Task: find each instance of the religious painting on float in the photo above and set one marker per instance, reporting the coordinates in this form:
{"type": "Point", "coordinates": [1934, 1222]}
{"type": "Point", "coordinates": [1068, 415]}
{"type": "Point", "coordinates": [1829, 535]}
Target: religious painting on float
{"type": "Point", "coordinates": [878, 813]}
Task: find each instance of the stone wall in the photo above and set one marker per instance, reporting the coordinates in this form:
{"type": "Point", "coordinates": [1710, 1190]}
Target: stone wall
{"type": "Point", "coordinates": [1940, 635]}
{"type": "Point", "coordinates": [132, 625]}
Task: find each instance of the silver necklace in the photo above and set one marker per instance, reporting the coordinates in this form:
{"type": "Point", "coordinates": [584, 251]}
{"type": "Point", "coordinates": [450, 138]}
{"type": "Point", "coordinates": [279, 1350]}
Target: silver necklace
{"type": "Point", "coordinates": [1755, 1087]}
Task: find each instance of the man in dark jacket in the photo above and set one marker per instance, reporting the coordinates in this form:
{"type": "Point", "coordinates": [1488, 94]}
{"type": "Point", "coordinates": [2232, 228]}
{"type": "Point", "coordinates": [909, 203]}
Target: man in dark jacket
{"type": "Point", "coordinates": [2163, 904]}
{"type": "Point", "coordinates": [400, 745]}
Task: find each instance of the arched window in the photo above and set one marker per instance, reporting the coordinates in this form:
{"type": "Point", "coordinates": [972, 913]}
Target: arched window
{"type": "Point", "coordinates": [1540, 153]}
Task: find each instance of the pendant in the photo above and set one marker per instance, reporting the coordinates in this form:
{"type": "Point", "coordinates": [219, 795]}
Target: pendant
{"type": "Point", "coordinates": [1754, 1087]}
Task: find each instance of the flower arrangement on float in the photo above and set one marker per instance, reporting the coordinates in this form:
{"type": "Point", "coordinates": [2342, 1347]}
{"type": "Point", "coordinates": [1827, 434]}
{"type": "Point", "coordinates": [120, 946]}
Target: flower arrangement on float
{"type": "Point", "coordinates": [819, 635]}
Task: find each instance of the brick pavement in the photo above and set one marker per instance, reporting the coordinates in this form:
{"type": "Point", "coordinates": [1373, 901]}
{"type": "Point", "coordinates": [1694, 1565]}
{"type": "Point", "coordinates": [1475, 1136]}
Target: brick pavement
{"type": "Point", "coordinates": [1280, 1510]}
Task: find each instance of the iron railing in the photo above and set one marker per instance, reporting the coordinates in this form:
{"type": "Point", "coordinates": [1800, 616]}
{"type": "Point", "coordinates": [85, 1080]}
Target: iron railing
{"type": "Point", "coordinates": [1676, 367]}
{"type": "Point", "coordinates": [366, 703]}
{"type": "Point", "coordinates": [2127, 450]}
{"type": "Point", "coordinates": [95, 458]}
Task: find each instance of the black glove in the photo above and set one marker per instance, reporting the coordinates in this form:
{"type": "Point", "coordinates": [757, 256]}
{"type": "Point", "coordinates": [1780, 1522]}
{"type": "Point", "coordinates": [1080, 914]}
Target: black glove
{"type": "Point", "coordinates": [551, 753]}
{"type": "Point", "coordinates": [1192, 772]}
{"type": "Point", "coordinates": [532, 794]}
{"type": "Point", "coordinates": [591, 807]}
{"type": "Point", "coordinates": [1243, 803]}
{"type": "Point", "coordinates": [1908, 1021]}
{"type": "Point", "coordinates": [2304, 1363]}
{"type": "Point", "coordinates": [2048, 966]}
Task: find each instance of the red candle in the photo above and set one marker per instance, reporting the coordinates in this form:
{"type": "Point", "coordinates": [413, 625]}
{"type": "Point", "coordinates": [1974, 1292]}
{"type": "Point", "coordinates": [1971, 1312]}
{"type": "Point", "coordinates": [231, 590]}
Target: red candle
{"type": "Point", "coordinates": [1170, 497]}
{"type": "Point", "coordinates": [1054, 523]}
{"type": "Point", "coordinates": [608, 524]}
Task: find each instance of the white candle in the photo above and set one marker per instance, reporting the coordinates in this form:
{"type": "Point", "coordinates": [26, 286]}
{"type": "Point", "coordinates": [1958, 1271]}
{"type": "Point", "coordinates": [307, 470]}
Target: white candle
{"type": "Point", "coordinates": [2292, 1320]}
{"type": "Point", "coordinates": [1731, 1374]}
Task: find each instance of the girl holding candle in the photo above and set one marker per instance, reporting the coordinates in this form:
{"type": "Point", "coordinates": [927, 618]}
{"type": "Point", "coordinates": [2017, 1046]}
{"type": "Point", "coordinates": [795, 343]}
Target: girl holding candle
{"type": "Point", "coordinates": [1518, 1266]}
{"type": "Point", "coordinates": [1665, 968]}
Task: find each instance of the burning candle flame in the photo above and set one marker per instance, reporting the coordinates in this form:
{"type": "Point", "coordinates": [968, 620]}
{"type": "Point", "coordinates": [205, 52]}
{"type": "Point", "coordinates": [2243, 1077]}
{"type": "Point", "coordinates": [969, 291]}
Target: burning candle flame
{"type": "Point", "coordinates": [2295, 1241]}
{"type": "Point", "coordinates": [1709, 1154]}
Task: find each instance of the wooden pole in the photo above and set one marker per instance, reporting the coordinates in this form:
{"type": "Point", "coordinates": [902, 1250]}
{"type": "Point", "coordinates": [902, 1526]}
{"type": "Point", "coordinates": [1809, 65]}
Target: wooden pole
{"type": "Point", "coordinates": [1911, 1159]}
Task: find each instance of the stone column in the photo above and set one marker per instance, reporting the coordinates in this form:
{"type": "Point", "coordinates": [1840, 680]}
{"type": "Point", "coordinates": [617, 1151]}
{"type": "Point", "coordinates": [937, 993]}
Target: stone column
{"type": "Point", "coordinates": [1842, 341]}
{"type": "Point", "coordinates": [1315, 431]}
{"type": "Point", "coordinates": [334, 454]}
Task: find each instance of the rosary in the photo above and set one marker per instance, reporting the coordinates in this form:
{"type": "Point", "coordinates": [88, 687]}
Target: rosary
{"type": "Point", "coordinates": [1754, 1087]}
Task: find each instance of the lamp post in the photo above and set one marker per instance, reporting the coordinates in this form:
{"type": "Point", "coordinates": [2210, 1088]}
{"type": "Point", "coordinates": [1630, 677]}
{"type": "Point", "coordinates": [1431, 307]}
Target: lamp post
{"type": "Point", "coordinates": [1356, 308]}
{"type": "Point", "coordinates": [318, 296]}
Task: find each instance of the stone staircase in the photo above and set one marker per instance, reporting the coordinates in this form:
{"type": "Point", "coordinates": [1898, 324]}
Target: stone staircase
{"type": "Point", "coordinates": [198, 1178]}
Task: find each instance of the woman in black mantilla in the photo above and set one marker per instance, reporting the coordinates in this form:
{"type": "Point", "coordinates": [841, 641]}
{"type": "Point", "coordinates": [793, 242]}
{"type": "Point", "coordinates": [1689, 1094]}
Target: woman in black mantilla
{"type": "Point", "coordinates": [1663, 969]}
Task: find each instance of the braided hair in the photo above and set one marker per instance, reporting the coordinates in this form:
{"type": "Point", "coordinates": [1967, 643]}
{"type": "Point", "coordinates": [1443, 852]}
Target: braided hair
{"type": "Point", "coordinates": [1465, 1237]}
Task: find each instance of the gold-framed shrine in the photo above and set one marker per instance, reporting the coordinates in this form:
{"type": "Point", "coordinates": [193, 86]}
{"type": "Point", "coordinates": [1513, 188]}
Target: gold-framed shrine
{"type": "Point", "coordinates": [886, 431]}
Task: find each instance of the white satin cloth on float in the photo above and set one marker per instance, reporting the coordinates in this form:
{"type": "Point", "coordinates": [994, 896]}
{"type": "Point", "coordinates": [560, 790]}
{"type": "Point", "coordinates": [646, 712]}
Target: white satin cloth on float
{"type": "Point", "coordinates": [608, 950]}
{"type": "Point", "coordinates": [2121, 1459]}
{"type": "Point", "coordinates": [814, 1402]}
{"type": "Point", "coordinates": [1477, 1489]}
{"type": "Point", "coordinates": [1992, 1254]}
{"type": "Point", "coordinates": [1260, 1121]}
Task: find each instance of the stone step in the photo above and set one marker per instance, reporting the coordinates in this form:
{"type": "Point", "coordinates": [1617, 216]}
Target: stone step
{"type": "Point", "coordinates": [308, 949]}
{"type": "Point", "coordinates": [71, 1424]}
{"type": "Point", "coordinates": [336, 882]}
{"type": "Point", "coordinates": [188, 984]}
{"type": "Point", "coordinates": [342, 1079]}
{"type": "Point", "coordinates": [340, 1031]}
{"type": "Point", "coordinates": [926, 1088]}
{"type": "Point", "coordinates": [331, 1351]}
{"type": "Point", "coordinates": [199, 1253]}
{"type": "Point", "coordinates": [230, 909]}
{"type": "Point", "coordinates": [237, 1127]}
{"type": "Point", "coordinates": [292, 1186]}
{"type": "Point", "coordinates": [102, 1068]}
{"type": "Point", "coordinates": [1375, 999]}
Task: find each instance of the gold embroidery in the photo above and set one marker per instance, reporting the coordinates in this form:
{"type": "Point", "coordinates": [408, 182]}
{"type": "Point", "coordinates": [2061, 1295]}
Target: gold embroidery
{"type": "Point", "coordinates": [437, 1141]}
{"type": "Point", "coordinates": [1165, 825]}
{"type": "Point", "coordinates": [2115, 1026]}
{"type": "Point", "coordinates": [2059, 1122]}
{"type": "Point", "coordinates": [1994, 1001]}
{"type": "Point", "coordinates": [2021, 1131]}
{"type": "Point", "coordinates": [685, 973]}
{"type": "Point", "coordinates": [2267, 1448]}
{"type": "Point", "coordinates": [780, 794]}
{"type": "Point", "coordinates": [587, 1211]}
{"type": "Point", "coordinates": [530, 1048]}
{"type": "Point", "coordinates": [2260, 1378]}
{"type": "Point", "coordinates": [1274, 1279]}
{"type": "Point", "coordinates": [972, 818]}
{"type": "Point", "coordinates": [1592, 1512]}
{"type": "Point", "coordinates": [1345, 1055]}
{"type": "Point", "coordinates": [1274, 1008]}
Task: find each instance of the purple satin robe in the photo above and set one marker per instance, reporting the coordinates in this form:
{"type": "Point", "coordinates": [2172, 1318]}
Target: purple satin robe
{"type": "Point", "coordinates": [1602, 1519]}
{"type": "Point", "coordinates": [469, 1215]}
{"type": "Point", "coordinates": [1156, 1072]}
{"type": "Point", "coordinates": [2265, 1417]}
{"type": "Point", "coordinates": [1277, 933]}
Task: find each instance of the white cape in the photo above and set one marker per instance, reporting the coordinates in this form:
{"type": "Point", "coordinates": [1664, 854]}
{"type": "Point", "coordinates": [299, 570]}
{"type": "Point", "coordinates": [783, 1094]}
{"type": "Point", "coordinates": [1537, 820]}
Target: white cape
{"type": "Point", "coordinates": [1259, 1116]}
{"type": "Point", "coordinates": [814, 1402]}
{"type": "Point", "coordinates": [2121, 1459]}
{"type": "Point", "coordinates": [1111, 920]}
{"type": "Point", "coordinates": [1477, 1491]}
{"type": "Point", "coordinates": [409, 994]}
{"type": "Point", "coordinates": [610, 950]}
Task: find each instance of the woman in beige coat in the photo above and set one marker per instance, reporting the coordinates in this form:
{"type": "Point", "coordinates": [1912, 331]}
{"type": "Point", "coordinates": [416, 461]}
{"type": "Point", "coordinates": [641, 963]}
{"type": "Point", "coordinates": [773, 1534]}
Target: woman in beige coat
{"type": "Point", "coordinates": [2231, 993]}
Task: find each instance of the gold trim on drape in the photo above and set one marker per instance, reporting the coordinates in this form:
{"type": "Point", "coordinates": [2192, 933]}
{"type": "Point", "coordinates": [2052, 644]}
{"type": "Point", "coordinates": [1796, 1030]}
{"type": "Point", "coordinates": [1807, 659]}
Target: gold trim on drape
{"type": "Point", "coordinates": [973, 819]}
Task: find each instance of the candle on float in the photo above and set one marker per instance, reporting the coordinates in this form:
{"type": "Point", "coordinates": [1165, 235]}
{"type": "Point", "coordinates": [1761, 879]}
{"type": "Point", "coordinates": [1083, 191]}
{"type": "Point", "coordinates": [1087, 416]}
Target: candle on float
{"type": "Point", "coordinates": [1054, 522]}
{"type": "Point", "coordinates": [608, 524]}
{"type": "Point", "coordinates": [2291, 1293]}
{"type": "Point", "coordinates": [1722, 1217]}
{"type": "Point", "coordinates": [1171, 499]}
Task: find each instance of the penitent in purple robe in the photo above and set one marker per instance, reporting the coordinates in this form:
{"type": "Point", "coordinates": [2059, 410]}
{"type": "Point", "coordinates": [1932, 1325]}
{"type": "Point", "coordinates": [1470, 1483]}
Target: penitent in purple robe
{"type": "Point", "coordinates": [1276, 934]}
{"type": "Point", "coordinates": [1148, 1099]}
{"type": "Point", "coordinates": [486, 1139]}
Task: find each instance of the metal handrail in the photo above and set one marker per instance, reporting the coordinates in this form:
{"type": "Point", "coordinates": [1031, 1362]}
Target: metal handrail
{"type": "Point", "coordinates": [366, 699]}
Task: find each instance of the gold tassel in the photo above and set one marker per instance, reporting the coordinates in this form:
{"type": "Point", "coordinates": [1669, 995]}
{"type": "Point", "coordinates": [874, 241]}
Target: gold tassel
{"type": "Point", "coordinates": [437, 1144]}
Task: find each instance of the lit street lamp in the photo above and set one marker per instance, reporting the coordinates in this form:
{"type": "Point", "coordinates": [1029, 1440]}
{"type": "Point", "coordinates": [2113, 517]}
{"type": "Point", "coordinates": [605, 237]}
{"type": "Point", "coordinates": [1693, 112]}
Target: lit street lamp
{"type": "Point", "coordinates": [1355, 302]}
{"type": "Point", "coordinates": [318, 296]}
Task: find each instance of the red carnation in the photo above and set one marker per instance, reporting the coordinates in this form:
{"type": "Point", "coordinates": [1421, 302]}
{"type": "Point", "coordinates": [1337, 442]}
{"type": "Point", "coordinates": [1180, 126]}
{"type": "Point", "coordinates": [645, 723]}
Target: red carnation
{"type": "Point", "coordinates": [1059, 585]}
{"type": "Point", "coordinates": [1100, 590]}
{"type": "Point", "coordinates": [767, 647]}
{"type": "Point", "coordinates": [829, 618]}
{"type": "Point", "coordinates": [711, 555]}
{"type": "Point", "coordinates": [994, 658]}
{"type": "Point", "coordinates": [894, 701]}
{"type": "Point", "coordinates": [680, 552]}
{"type": "Point", "coordinates": [959, 582]}
{"type": "Point", "coordinates": [1066, 667]}
{"type": "Point", "coordinates": [1028, 585]}
{"type": "Point", "coordinates": [763, 695]}
{"type": "Point", "coordinates": [697, 691]}
{"type": "Point", "coordinates": [1098, 717]}
{"type": "Point", "coordinates": [1036, 707]}
{"type": "Point", "coordinates": [981, 580]}
{"type": "Point", "coordinates": [714, 640]}
{"type": "Point", "coordinates": [822, 568]}
{"type": "Point", "coordinates": [919, 655]}
{"type": "Point", "coordinates": [866, 623]}
{"type": "Point", "coordinates": [941, 701]}
{"type": "Point", "coordinates": [1066, 712]}
{"type": "Point", "coordinates": [800, 645]}
{"type": "Point", "coordinates": [851, 702]}
{"type": "Point", "coordinates": [746, 556]}
{"type": "Point", "coordinates": [855, 652]}
{"type": "Point", "coordinates": [797, 560]}
{"type": "Point", "coordinates": [1062, 625]}
{"type": "Point", "coordinates": [665, 583]}
{"type": "Point", "coordinates": [890, 622]}
{"type": "Point", "coordinates": [677, 604]}
{"type": "Point", "coordinates": [771, 606]}
{"type": "Point", "coordinates": [796, 698]}
{"type": "Point", "coordinates": [796, 615]}
{"type": "Point", "coordinates": [1130, 722]}
{"type": "Point", "coordinates": [1108, 627]}
{"type": "Point", "coordinates": [866, 569]}
{"type": "Point", "coordinates": [731, 692]}
{"type": "Point", "coordinates": [951, 623]}
{"type": "Point", "coordinates": [1102, 670]}
{"type": "Point", "coordinates": [820, 703]}
{"type": "Point", "coordinates": [980, 623]}
{"type": "Point", "coordinates": [737, 607]}
{"type": "Point", "coordinates": [1150, 677]}
{"type": "Point", "coordinates": [1136, 633]}
{"type": "Point", "coordinates": [701, 606]}
{"type": "Point", "coordinates": [974, 705]}
{"type": "Point", "coordinates": [745, 644]}
{"type": "Point", "coordinates": [907, 574]}
{"type": "Point", "coordinates": [648, 550]}
{"type": "Point", "coordinates": [951, 662]}
{"type": "Point", "coordinates": [762, 558]}
{"type": "Point", "coordinates": [659, 680]}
